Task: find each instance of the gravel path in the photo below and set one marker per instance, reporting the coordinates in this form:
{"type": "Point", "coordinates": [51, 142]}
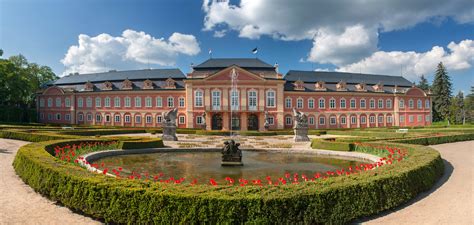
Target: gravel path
{"type": "Point", "coordinates": [20, 204]}
{"type": "Point", "coordinates": [450, 201]}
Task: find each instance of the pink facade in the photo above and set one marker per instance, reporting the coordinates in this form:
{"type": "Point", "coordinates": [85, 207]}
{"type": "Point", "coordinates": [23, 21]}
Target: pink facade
{"type": "Point", "coordinates": [140, 103]}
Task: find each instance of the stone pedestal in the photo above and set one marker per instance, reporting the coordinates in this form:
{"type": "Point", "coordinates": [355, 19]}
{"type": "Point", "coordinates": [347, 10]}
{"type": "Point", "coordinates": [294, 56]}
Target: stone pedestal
{"type": "Point", "coordinates": [169, 133]}
{"type": "Point", "coordinates": [301, 134]}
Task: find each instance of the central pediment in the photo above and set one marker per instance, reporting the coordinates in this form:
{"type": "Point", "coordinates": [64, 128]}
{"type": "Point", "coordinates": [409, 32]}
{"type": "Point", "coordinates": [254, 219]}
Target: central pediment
{"type": "Point", "coordinates": [239, 73]}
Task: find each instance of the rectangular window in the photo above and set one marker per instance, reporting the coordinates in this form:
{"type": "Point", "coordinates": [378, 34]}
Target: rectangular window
{"type": "Point", "coordinates": [288, 103]}
{"type": "Point", "coordinates": [138, 102]}
{"type": "Point", "coordinates": [67, 102]}
{"type": "Point", "coordinates": [181, 102]}
{"type": "Point", "coordinates": [80, 117]}
{"type": "Point", "coordinates": [89, 102]}
{"type": "Point", "coordinates": [107, 102]}
{"type": "Point", "coordinates": [50, 116]}
{"type": "Point", "coordinates": [299, 103]}
{"type": "Point", "coordinates": [380, 119]}
{"type": "Point", "coordinates": [159, 119]}
{"type": "Point", "coordinates": [411, 118]}
{"type": "Point", "coordinates": [170, 102]}
{"type": "Point", "coordinates": [353, 103]}
{"type": "Point", "coordinates": [389, 104]}
{"type": "Point", "coordinates": [50, 102]}
{"type": "Point", "coordinates": [271, 120]}
{"type": "Point", "coordinates": [41, 102]}
{"type": "Point", "coordinates": [402, 119]}
{"type": "Point", "coordinates": [252, 100]}
{"type": "Point", "coordinates": [270, 99]}
{"type": "Point", "coordinates": [117, 101]}
{"type": "Point", "coordinates": [138, 119]}
{"type": "Point", "coordinates": [98, 102]}
{"type": "Point", "coordinates": [117, 118]}
{"type": "Point", "coordinates": [427, 104]}
{"type": "Point", "coordinates": [311, 103]}
{"type": "Point", "coordinates": [389, 119]}
{"type": "Point", "coordinates": [372, 104]}
{"type": "Point", "coordinates": [148, 119]}
{"type": "Point", "coordinates": [332, 120]}
{"type": "Point", "coordinates": [181, 120]}
{"type": "Point", "coordinates": [343, 120]}
{"type": "Point", "coordinates": [216, 100]}
{"type": "Point", "coordinates": [353, 120]}
{"type": "Point", "coordinates": [288, 120]}
{"type": "Point", "coordinates": [58, 102]}
{"type": "Point", "coordinates": [363, 119]}
{"type": "Point", "coordinates": [67, 117]}
{"type": "Point", "coordinates": [128, 102]}
{"type": "Point", "coordinates": [199, 120]}
{"type": "Point", "coordinates": [148, 102]}
{"type": "Point", "coordinates": [420, 118]}
{"type": "Point", "coordinates": [98, 118]}
{"type": "Point", "coordinates": [332, 103]}
{"type": "Point", "coordinates": [343, 104]}
{"type": "Point", "coordinates": [127, 118]}
{"type": "Point", "coordinates": [380, 105]}
{"type": "Point", "coordinates": [198, 99]}
{"type": "Point", "coordinates": [89, 117]}
{"type": "Point", "coordinates": [411, 104]}
{"type": "Point", "coordinates": [362, 103]}
{"type": "Point", "coordinates": [159, 102]}
{"type": "Point", "coordinates": [322, 120]}
{"type": "Point", "coordinates": [234, 99]}
{"type": "Point", "coordinates": [322, 103]}
{"type": "Point", "coordinates": [372, 119]}
{"type": "Point", "coordinates": [311, 121]}
{"type": "Point", "coordinates": [107, 118]}
{"type": "Point", "coordinates": [58, 116]}
{"type": "Point", "coordinates": [427, 118]}
{"type": "Point", "coordinates": [420, 104]}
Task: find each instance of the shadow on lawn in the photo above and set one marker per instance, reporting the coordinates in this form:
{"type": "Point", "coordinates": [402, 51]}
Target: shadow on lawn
{"type": "Point", "coordinates": [448, 171]}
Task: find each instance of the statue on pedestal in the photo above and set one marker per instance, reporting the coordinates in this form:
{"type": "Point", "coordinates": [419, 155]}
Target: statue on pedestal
{"type": "Point", "coordinates": [231, 154]}
{"type": "Point", "coordinates": [301, 126]}
{"type": "Point", "coordinates": [266, 124]}
{"type": "Point", "coordinates": [169, 125]}
{"type": "Point", "coordinates": [204, 120]}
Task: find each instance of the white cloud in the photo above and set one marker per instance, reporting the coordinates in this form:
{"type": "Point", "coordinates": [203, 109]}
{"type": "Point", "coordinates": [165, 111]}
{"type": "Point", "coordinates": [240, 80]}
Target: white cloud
{"type": "Point", "coordinates": [131, 50]}
{"type": "Point", "coordinates": [459, 56]}
{"type": "Point", "coordinates": [329, 23]}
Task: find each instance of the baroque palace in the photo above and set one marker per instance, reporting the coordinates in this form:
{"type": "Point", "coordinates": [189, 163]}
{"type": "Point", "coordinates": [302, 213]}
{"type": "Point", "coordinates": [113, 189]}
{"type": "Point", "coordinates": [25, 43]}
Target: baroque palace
{"type": "Point", "coordinates": [204, 98]}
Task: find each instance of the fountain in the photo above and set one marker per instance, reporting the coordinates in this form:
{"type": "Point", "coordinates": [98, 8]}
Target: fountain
{"type": "Point", "coordinates": [169, 125]}
{"type": "Point", "coordinates": [231, 154]}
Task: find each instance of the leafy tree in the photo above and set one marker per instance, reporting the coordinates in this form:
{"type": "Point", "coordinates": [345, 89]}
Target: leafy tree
{"type": "Point", "coordinates": [442, 93]}
{"type": "Point", "coordinates": [457, 109]}
{"type": "Point", "coordinates": [1, 52]}
{"type": "Point", "coordinates": [423, 84]}
{"type": "Point", "coordinates": [469, 106]}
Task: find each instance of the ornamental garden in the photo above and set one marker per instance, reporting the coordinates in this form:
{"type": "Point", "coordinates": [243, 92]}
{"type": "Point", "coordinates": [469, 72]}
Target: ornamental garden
{"type": "Point", "coordinates": [131, 175]}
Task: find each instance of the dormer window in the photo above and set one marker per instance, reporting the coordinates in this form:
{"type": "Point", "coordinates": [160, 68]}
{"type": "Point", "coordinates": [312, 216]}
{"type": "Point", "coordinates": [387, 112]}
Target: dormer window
{"type": "Point", "coordinates": [127, 85]}
{"type": "Point", "coordinates": [378, 87]}
{"type": "Point", "coordinates": [170, 84]}
{"type": "Point", "coordinates": [299, 85]}
{"type": "Point", "coordinates": [148, 84]}
{"type": "Point", "coordinates": [341, 86]}
{"type": "Point", "coordinates": [360, 87]}
{"type": "Point", "coordinates": [89, 86]}
{"type": "Point", "coordinates": [107, 86]}
{"type": "Point", "coordinates": [320, 86]}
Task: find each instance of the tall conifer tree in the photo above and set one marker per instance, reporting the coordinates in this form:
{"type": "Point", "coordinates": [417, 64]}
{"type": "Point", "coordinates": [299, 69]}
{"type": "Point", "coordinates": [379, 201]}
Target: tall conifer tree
{"type": "Point", "coordinates": [423, 84]}
{"type": "Point", "coordinates": [442, 93]}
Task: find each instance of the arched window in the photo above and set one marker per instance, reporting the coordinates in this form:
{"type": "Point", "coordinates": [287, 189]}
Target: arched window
{"type": "Point", "coordinates": [420, 104]}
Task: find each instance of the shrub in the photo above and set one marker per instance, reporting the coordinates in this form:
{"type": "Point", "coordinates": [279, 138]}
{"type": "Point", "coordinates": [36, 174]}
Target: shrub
{"type": "Point", "coordinates": [331, 145]}
{"type": "Point", "coordinates": [96, 132]}
{"type": "Point", "coordinates": [32, 136]}
{"type": "Point", "coordinates": [337, 200]}
{"type": "Point", "coordinates": [142, 143]}
{"type": "Point", "coordinates": [437, 139]}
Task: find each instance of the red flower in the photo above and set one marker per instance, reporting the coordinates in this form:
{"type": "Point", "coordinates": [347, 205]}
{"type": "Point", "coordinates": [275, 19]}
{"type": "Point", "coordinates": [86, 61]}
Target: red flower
{"type": "Point", "coordinates": [213, 182]}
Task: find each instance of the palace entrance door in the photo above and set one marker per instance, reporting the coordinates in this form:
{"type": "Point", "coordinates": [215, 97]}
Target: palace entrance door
{"type": "Point", "coordinates": [217, 122]}
{"type": "Point", "coordinates": [252, 122]}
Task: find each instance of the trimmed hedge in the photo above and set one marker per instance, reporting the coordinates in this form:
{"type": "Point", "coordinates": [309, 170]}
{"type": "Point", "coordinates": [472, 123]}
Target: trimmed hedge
{"type": "Point", "coordinates": [32, 136]}
{"type": "Point", "coordinates": [437, 139]}
{"type": "Point", "coordinates": [331, 145]}
{"type": "Point", "coordinates": [103, 132]}
{"type": "Point", "coordinates": [337, 200]}
{"type": "Point", "coordinates": [142, 143]}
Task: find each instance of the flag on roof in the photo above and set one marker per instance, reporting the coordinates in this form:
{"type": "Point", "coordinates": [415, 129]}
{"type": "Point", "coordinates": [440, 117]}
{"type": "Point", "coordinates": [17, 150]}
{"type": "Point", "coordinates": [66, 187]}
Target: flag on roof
{"type": "Point", "coordinates": [255, 50]}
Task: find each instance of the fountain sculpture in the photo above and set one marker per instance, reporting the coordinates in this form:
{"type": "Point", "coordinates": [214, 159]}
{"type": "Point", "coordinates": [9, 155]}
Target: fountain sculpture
{"type": "Point", "coordinates": [301, 126]}
{"type": "Point", "coordinates": [231, 154]}
{"type": "Point", "coordinates": [169, 125]}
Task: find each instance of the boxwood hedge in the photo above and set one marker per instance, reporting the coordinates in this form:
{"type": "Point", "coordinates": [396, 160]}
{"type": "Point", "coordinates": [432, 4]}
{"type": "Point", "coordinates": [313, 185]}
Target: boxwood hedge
{"type": "Point", "coordinates": [337, 200]}
{"type": "Point", "coordinates": [141, 143]}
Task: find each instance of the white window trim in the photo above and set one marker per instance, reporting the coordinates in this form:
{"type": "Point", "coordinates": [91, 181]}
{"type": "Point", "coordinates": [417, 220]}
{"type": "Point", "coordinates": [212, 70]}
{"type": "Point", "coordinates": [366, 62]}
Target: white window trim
{"type": "Point", "coordinates": [196, 97]}
{"type": "Point", "coordinates": [309, 105]}
{"type": "Point", "coordinates": [168, 101]}
{"type": "Point", "coordinates": [256, 99]}
{"type": "Point", "coordinates": [331, 120]}
{"type": "Point", "coordinates": [365, 103]}
{"type": "Point", "coordinates": [290, 101]}
{"type": "Point", "coordinates": [332, 100]}
{"type": "Point", "coordinates": [319, 103]}
{"type": "Point", "coordinates": [181, 122]}
{"type": "Point", "coordinates": [300, 100]}
{"type": "Point", "coordinates": [340, 103]}
{"type": "Point", "coordinates": [378, 103]}
{"type": "Point", "coordinates": [179, 102]}
{"type": "Point", "coordinates": [267, 98]}
{"type": "Point", "coordinates": [161, 102]}
{"type": "Point", "coordinates": [355, 103]}
{"type": "Point", "coordinates": [115, 102]}
{"type": "Point", "coordinates": [370, 103]}
{"type": "Point", "coordinates": [148, 99]}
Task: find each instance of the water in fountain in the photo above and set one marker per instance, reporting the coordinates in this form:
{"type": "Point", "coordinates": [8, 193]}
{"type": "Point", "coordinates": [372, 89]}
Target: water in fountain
{"type": "Point", "coordinates": [233, 101]}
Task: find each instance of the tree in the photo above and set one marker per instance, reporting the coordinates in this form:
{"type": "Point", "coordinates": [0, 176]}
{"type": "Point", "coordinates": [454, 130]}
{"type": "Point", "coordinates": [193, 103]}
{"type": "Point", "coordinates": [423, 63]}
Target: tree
{"type": "Point", "coordinates": [469, 106]}
{"type": "Point", "coordinates": [457, 109]}
{"type": "Point", "coordinates": [423, 84]}
{"type": "Point", "coordinates": [442, 93]}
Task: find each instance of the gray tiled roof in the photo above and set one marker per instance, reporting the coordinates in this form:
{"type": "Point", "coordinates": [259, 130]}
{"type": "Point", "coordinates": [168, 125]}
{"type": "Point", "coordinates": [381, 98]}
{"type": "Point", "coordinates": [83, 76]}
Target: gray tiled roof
{"type": "Point", "coordinates": [151, 74]}
{"type": "Point", "coordinates": [241, 62]}
{"type": "Point", "coordinates": [349, 78]}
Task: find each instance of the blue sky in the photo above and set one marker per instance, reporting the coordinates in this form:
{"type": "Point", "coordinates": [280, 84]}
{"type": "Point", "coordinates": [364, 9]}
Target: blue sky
{"type": "Point", "coordinates": [314, 36]}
